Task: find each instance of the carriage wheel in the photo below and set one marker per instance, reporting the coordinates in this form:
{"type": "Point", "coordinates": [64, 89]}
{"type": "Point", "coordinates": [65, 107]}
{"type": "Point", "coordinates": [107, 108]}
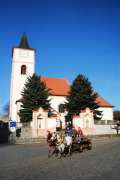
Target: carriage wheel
{"type": "Point", "coordinates": [90, 146]}
{"type": "Point", "coordinates": [81, 148]}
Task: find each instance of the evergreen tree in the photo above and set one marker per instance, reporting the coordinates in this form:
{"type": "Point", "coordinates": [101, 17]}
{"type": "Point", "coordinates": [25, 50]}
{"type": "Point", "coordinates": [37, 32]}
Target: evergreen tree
{"type": "Point", "coordinates": [116, 115]}
{"type": "Point", "coordinates": [34, 95]}
{"type": "Point", "coordinates": [81, 96]}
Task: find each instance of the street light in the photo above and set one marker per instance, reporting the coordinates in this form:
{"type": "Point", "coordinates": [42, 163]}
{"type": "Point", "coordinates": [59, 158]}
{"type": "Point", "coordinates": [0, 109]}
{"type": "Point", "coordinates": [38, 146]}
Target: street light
{"type": "Point", "coordinates": [38, 118]}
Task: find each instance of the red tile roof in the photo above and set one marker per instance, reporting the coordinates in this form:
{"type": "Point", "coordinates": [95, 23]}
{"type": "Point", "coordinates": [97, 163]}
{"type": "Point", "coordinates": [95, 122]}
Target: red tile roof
{"type": "Point", "coordinates": [102, 102]}
{"type": "Point", "coordinates": [60, 87]}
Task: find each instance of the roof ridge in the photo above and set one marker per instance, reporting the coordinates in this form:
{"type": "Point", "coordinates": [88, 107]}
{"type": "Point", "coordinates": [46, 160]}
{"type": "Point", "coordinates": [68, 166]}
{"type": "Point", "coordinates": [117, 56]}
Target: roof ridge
{"type": "Point", "coordinates": [53, 78]}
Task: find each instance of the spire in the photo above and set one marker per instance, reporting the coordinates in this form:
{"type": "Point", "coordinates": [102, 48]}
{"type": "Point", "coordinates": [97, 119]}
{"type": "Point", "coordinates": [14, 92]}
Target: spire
{"type": "Point", "coordinates": [24, 42]}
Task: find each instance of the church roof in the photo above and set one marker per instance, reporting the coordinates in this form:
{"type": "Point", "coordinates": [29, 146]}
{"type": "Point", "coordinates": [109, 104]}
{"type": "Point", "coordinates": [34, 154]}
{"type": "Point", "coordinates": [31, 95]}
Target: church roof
{"type": "Point", "coordinates": [60, 87]}
{"type": "Point", "coordinates": [24, 42]}
{"type": "Point", "coordinates": [102, 102]}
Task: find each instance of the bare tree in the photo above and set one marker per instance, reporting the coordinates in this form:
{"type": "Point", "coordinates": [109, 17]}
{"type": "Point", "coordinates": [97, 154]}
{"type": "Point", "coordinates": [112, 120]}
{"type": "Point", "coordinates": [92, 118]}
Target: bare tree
{"type": "Point", "coordinates": [6, 109]}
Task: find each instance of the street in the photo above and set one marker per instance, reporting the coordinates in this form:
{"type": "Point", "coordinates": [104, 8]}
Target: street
{"type": "Point", "coordinates": [30, 162]}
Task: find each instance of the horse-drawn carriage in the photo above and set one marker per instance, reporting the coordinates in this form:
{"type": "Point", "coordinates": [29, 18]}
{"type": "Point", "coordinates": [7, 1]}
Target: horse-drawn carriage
{"type": "Point", "coordinates": [67, 143]}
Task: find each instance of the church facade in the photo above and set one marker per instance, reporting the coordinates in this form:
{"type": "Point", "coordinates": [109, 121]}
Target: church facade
{"type": "Point", "coordinates": [23, 65]}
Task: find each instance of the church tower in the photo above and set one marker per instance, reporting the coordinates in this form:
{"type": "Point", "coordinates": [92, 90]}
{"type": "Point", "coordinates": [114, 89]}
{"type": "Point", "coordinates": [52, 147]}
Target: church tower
{"type": "Point", "coordinates": [23, 65]}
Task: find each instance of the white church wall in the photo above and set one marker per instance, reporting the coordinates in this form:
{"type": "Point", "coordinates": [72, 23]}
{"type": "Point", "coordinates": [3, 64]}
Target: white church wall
{"type": "Point", "coordinates": [107, 113]}
{"type": "Point", "coordinates": [56, 101]}
{"type": "Point", "coordinates": [20, 57]}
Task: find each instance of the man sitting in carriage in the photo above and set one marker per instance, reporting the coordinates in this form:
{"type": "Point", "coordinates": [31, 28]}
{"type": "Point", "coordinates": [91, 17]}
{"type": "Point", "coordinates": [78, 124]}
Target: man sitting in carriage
{"type": "Point", "coordinates": [68, 131]}
{"type": "Point", "coordinates": [79, 135]}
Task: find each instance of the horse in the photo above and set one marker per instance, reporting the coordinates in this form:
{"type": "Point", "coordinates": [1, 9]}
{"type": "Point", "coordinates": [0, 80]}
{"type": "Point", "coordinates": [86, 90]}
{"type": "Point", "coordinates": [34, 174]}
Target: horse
{"type": "Point", "coordinates": [60, 145]}
{"type": "Point", "coordinates": [64, 144]}
{"type": "Point", "coordinates": [68, 143]}
{"type": "Point", "coordinates": [51, 140]}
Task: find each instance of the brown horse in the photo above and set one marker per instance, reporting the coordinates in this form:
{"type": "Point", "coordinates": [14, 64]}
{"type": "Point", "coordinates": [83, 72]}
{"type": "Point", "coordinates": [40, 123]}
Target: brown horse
{"type": "Point", "coordinates": [51, 141]}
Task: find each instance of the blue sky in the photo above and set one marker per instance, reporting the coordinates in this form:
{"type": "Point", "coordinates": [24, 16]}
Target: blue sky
{"type": "Point", "coordinates": [70, 37]}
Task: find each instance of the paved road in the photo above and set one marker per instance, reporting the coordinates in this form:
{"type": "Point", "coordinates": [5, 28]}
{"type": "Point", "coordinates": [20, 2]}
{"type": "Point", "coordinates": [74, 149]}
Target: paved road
{"type": "Point", "coordinates": [30, 162]}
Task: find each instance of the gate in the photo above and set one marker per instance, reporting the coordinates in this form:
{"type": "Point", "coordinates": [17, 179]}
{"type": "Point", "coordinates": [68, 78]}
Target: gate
{"type": "Point", "coordinates": [4, 132]}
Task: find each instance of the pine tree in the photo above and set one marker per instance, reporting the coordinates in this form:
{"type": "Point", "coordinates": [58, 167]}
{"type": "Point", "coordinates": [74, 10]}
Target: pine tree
{"type": "Point", "coordinates": [34, 95]}
{"type": "Point", "coordinates": [116, 115]}
{"type": "Point", "coordinates": [81, 96]}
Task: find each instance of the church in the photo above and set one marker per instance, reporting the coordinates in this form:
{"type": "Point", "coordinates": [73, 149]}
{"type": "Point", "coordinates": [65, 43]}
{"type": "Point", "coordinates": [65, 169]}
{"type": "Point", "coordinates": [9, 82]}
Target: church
{"type": "Point", "coordinates": [23, 65]}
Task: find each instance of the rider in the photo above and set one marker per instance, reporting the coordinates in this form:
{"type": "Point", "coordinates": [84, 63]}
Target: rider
{"type": "Point", "coordinates": [80, 132]}
{"type": "Point", "coordinates": [68, 131]}
{"type": "Point", "coordinates": [79, 135]}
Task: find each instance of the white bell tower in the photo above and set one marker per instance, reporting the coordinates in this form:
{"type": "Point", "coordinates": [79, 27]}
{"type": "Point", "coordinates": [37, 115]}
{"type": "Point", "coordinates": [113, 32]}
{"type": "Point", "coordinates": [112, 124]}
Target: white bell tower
{"type": "Point", "coordinates": [23, 65]}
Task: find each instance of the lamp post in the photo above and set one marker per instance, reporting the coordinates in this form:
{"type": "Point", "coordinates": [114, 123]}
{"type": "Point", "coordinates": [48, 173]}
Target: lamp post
{"type": "Point", "coordinates": [38, 119]}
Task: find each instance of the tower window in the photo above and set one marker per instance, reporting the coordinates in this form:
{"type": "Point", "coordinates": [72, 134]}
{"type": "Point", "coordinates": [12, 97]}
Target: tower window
{"type": "Point", "coordinates": [61, 108]}
{"type": "Point", "coordinates": [23, 69]}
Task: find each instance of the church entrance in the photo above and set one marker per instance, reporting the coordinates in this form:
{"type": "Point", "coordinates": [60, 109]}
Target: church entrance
{"type": "Point", "coordinates": [4, 132]}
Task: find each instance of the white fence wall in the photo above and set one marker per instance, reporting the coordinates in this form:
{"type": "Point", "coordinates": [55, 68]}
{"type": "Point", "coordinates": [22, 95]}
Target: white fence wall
{"type": "Point", "coordinates": [104, 129]}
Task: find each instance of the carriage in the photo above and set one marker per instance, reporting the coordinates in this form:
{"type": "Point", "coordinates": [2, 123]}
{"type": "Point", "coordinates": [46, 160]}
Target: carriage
{"type": "Point", "coordinates": [84, 144]}
{"type": "Point", "coordinates": [68, 144]}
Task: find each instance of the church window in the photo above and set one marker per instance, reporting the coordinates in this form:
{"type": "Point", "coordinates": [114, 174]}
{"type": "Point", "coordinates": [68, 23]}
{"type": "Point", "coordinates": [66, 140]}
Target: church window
{"type": "Point", "coordinates": [23, 69]}
{"type": "Point", "coordinates": [61, 108]}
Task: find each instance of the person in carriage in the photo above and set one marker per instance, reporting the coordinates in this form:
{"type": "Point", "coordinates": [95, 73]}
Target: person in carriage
{"type": "Point", "coordinates": [68, 131]}
{"type": "Point", "coordinates": [68, 139]}
{"type": "Point", "coordinates": [77, 139]}
{"type": "Point", "coordinates": [83, 141]}
{"type": "Point", "coordinates": [79, 135]}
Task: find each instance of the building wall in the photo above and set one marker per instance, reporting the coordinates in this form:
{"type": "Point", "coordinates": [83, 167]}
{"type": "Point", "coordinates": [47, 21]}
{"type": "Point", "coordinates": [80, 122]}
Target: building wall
{"type": "Point", "coordinates": [103, 129]}
{"type": "Point", "coordinates": [20, 57]}
{"type": "Point", "coordinates": [56, 101]}
{"type": "Point", "coordinates": [107, 113]}
{"type": "Point", "coordinates": [83, 120]}
{"type": "Point", "coordinates": [40, 126]}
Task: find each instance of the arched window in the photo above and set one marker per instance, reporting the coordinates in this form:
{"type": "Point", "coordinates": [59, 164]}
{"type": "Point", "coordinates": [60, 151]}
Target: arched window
{"type": "Point", "coordinates": [61, 108]}
{"type": "Point", "coordinates": [23, 69]}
